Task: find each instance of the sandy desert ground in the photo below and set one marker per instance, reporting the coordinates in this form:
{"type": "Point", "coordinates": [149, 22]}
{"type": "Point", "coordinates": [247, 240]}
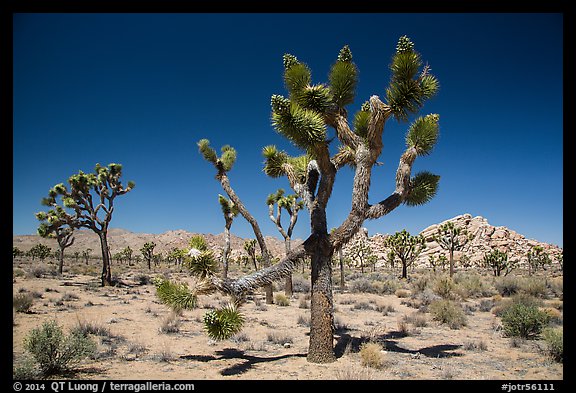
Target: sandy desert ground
{"type": "Point", "coordinates": [143, 339]}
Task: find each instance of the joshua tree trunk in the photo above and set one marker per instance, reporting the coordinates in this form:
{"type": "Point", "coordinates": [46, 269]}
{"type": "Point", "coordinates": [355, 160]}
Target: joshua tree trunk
{"type": "Point", "coordinates": [288, 289]}
{"type": "Point", "coordinates": [341, 258]}
{"type": "Point", "coordinates": [106, 276]}
{"type": "Point", "coordinates": [226, 252]}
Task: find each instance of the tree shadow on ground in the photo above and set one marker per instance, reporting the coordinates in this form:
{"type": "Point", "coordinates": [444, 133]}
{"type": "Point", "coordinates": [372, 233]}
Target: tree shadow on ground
{"type": "Point", "coordinates": [387, 340]}
{"type": "Point", "coordinates": [232, 353]}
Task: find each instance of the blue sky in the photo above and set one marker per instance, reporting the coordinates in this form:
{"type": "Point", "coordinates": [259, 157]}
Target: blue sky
{"type": "Point", "coordinates": [142, 89]}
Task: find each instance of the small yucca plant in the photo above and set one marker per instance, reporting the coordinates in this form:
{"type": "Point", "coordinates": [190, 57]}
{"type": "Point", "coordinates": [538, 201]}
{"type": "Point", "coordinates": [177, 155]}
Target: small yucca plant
{"type": "Point", "coordinates": [223, 323]}
{"type": "Point", "coordinates": [203, 264]}
{"type": "Point", "coordinates": [176, 295]}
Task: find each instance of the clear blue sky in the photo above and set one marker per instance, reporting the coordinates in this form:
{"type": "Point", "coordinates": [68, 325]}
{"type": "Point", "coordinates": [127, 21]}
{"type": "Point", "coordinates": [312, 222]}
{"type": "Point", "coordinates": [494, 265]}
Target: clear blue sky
{"type": "Point", "coordinates": [142, 89]}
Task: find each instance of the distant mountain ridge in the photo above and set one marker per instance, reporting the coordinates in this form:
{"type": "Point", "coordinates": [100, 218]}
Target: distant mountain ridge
{"type": "Point", "coordinates": [485, 237]}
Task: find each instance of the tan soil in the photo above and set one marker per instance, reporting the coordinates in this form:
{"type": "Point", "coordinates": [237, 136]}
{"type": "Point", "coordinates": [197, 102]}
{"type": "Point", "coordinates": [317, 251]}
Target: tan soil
{"type": "Point", "coordinates": [134, 317]}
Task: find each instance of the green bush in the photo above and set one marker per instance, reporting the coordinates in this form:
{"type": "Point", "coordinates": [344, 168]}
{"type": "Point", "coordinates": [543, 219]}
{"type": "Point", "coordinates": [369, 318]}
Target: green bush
{"type": "Point", "coordinates": [507, 285]}
{"type": "Point", "coordinates": [526, 321]}
{"type": "Point", "coordinates": [444, 287]}
{"type": "Point", "coordinates": [555, 341]}
{"type": "Point", "coordinates": [53, 351]}
{"type": "Point", "coordinates": [448, 312]}
{"type": "Point", "coordinates": [281, 300]}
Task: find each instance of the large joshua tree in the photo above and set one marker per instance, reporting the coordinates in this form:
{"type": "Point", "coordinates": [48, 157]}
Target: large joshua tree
{"type": "Point", "coordinates": [304, 118]}
{"type": "Point", "coordinates": [91, 198]}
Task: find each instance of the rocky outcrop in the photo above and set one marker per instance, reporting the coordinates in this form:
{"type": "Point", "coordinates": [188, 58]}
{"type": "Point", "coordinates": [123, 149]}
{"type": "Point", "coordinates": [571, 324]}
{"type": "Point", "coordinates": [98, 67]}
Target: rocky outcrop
{"type": "Point", "coordinates": [482, 236]}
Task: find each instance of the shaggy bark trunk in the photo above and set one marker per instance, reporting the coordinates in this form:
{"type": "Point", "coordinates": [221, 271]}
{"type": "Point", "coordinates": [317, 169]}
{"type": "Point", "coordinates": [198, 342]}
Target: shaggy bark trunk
{"type": "Point", "coordinates": [288, 289]}
{"type": "Point", "coordinates": [341, 257]}
{"type": "Point", "coordinates": [321, 347]}
{"type": "Point", "coordinates": [404, 269]}
{"type": "Point", "coordinates": [451, 253]}
{"type": "Point", "coordinates": [106, 277]}
{"type": "Point", "coordinates": [226, 252]}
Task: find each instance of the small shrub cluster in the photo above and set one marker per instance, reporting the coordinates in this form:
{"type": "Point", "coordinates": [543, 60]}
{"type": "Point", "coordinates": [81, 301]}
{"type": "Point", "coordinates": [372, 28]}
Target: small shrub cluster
{"type": "Point", "coordinates": [554, 339]}
{"type": "Point", "coordinates": [371, 355]}
{"type": "Point", "coordinates": [448, 312]}
{"type": "Point", "coordinates": [525, 321]}
{"type": "Point", "coordinates": [55, 352]}
{"type": "Point", "coordinates": [281, 300]}
{"type": "Point", "coordinates": [22, 302]}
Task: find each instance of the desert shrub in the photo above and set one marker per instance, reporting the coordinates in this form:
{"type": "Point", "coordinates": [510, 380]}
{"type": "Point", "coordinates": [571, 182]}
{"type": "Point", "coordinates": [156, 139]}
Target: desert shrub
{"type": "Point", "coordinates": [472, 285]}
{"type": "Point", "coordinates": [279, 338]}
{"type": "Point", "coordinates": [363, 285]}
{"type": "Point", "coordinates": [554, 315]}
{"type": "Point", "coordinates": [533, 286]}
{"type": "Point", "coordinates": [84, 328]}
{"type": "Point", "coordinates": [26, 369]}
{"type": "Point", "coordinates": [55, 352]}
{"type": "Point", "coordinates": [362, 306]}
{"type": "Point", "coordinates": [388, 287]}
{"type": "Point", "coordinates": [402, 293]}
{"type": "Point", "coordinates": [448, 312]}
{"type": "Point", "coordinates": [421, 283]}
{"type": "Point", "coordinates": [304, 320]}
{"type": "Point", "coordinates": [556, 286]}
{"type": "Point", "coordinates": [526, 300]}
{"type": "Point", "coordinates": [444, 287]}
{"type": "Point", "coordinates": [475, 346]}
{"type": "Point", "coordinates": [525, 321]}
{"type": "Point", "coordinates": [171, 324]}
{"type": "Point", "coordinates": [371, 355]}
{"type": "Point", "coordinates": [22, 302]}
{"type": "Point", "coordinates": [417, 319]}
{"type": "Point", "coordinates": [554, 339]}
{"type": "Point", "coordinates": [281, 300]}
{"type": "Point", "coordinates": [303, 303]}
{"type": "Point", "coordinates": [486, 304]}
{"type": "Point", "coordinates": [507, 285]}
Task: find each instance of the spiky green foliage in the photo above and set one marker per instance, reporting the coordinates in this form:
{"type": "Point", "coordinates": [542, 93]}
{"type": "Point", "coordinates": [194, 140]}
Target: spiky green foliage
{"type": "Point", "coordinates": [423, 187]}
{"type": "Point", "coordinates": [407, 90]}
{"type": "Point", "coordinates": [296, 78]}
{"type": "Point", "coordinates": [203, 265]}
{"type": "Point", "coordinates": [423, 134]}
{"type": "Point", "coordinates": [198, 242]}
{"type": "Point", "coordinates": [303, 127]}
{"type": "Point", "coordinates": [226, 159]}
{"type": "Point", "coordinates": [537, 258]}
{"type": "Point", "coordinates": [317, 98]}
{"type": "Point", "coordinates": [361, 120]}
{"type": "Point", "coordinates": [175, 294]}
{"type": "Point", "coordinates": [228, 207]}
{"type": "Point", "coordinates": [343, 78]}
{"type": "Point", "coordinates": [221, 324]}
{"type": "Point", "coordinates": [274, 161]}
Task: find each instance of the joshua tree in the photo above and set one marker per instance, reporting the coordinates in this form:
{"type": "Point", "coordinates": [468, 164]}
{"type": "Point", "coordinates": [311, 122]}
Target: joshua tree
{"type": "Point", "coordinates": [147, 251]}
{"type": "Point", "coordinates": [86, 254]}
{"type": "Point", "coordinates": [54, 225]}
{"type": "Point", "coordinates": [292, 205]}
{"type": "Point", "coordinates": [498, 262]}
{"type": "Point", "coordinates": [91, 197]}
{"type": "Point", "coordinates": [230, 211]}
{"type": "Point", "coordinates": [40, 251]}
{"type": "Point", "coordinates": [304, 118]}
{"type": "Point", "coordinates": [451, 238]}
{"type": "Point", "coordinates": [406, 247]}
{"type": "Point", "coordinates": [250, 248]}
{"type": "Point", "coordinates": [17, 253]}
{"type": "Point", "coordinates": [360, 251]}
{"type": "Point", "coordinates": [537, 257]}
{"type": "Point", "coordinates": [223, 165]}
{"type": "Point", "coordinates": [127, 253]}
